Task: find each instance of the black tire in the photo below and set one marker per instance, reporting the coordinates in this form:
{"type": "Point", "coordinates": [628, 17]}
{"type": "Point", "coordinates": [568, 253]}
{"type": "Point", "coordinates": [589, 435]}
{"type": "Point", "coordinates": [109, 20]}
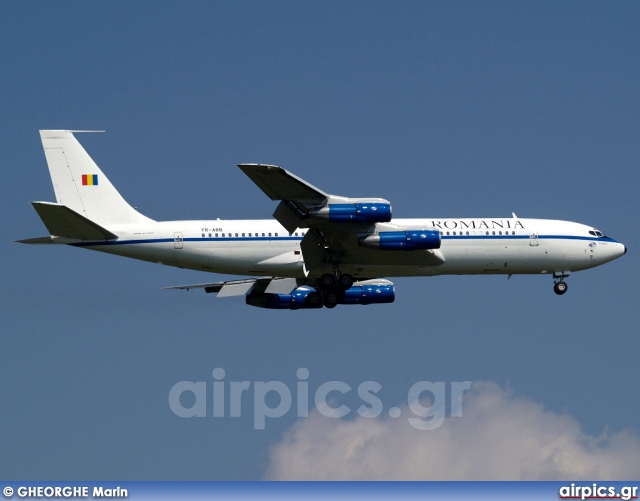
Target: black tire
{"type": "Point", "coordinates": [330, 300]}
{"type": "Point", "coordinates": [312, 299]}
{"type": "Point", "coordinates": [345, 281]}
{"type": "Point", "coordinates": [560, 288]}
{"type": "Point", "coordinates": [327, 281]}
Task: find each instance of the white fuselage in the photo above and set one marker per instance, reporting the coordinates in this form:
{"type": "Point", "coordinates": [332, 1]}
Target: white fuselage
{"type": "Point", "coordinates": [469, 246]}
{"type": "Point", "coordinates": [334, 245]}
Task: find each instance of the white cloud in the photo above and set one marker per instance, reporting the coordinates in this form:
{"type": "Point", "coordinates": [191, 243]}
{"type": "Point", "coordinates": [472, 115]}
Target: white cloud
{"type": "Point", "coordinates": [499, 437]}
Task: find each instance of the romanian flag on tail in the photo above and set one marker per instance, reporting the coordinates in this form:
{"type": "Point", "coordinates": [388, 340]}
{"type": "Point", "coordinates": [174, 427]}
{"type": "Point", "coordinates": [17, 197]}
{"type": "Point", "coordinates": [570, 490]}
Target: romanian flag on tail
{"type": "Point", "coordinates": [89, 179]}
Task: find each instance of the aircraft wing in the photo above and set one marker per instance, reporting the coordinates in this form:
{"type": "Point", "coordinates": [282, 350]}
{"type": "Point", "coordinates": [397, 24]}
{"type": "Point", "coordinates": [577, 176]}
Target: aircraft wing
{"type": "Point", "coordinates": [337, 225]}
{"type": "Point", "coordinates": [279, 184]}
{"type": "Point", "coordinates": [273, 285]}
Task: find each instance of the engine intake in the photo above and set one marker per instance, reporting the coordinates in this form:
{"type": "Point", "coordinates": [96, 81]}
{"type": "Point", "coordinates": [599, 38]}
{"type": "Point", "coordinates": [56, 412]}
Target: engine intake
{"type": "Point", "coordinates": [403, 240]}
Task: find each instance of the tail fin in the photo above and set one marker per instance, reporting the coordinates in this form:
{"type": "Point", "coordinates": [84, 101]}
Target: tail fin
{"type": "Point", "coordinates": [79, 183]}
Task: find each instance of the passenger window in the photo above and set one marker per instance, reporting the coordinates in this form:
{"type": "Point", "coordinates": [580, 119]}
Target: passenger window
{"type": "Point", "coordinates": [203, 235]}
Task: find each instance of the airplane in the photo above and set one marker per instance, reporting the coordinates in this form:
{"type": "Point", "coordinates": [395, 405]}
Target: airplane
{"type": "Point", "coordinates": [320, 250]}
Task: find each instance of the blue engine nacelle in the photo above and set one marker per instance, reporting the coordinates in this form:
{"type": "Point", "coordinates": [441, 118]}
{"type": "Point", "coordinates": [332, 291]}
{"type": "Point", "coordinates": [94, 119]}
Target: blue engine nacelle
{"type": "Point", "coordinates": [403, 240]}
{"type": "Point", "coordinates": [298, 299]}
{"type": "Point", "coordinates": [364, 212]}
{"type": "Point", "coordinates": [305, 298]}
{"type": "Point", "coordinates": [368, 294]}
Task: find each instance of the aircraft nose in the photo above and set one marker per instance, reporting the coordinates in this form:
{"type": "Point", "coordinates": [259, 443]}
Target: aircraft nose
{"type": "Point", "coordinates": [614, 251]}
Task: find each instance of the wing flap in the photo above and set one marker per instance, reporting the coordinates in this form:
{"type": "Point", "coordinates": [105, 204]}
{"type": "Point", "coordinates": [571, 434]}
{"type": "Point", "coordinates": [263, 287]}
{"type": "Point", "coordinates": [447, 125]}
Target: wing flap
{"type": "Point", "coordinates": [243, 287]}
{"type": "Point", "coordinates": [281, 286]}
{"type": "Point", "coordinates": [289, 216]}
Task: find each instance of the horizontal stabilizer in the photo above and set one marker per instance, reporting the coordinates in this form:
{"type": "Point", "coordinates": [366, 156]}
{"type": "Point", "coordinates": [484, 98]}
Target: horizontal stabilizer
{"type": "Point", "coordinates": [61, 221]}
{"type": "Point", "coordinates": [37, 241]}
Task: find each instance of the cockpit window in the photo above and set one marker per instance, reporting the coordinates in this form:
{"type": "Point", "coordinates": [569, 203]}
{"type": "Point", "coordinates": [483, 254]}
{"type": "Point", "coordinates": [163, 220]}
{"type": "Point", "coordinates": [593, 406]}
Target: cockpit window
{"type": "Point", "coordinates": [596, 233]}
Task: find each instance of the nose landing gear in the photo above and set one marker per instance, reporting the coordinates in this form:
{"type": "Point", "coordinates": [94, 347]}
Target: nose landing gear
{"type": "Point", "coordinates": [560, 286]}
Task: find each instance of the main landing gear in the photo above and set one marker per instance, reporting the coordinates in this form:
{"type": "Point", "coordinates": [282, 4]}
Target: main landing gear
{"type": "Point", "coordinates": [339, 280]}
{"type": "Point", "coordinates": [331, 285]}
{"type": "Point", "coordinates": [560, 286]}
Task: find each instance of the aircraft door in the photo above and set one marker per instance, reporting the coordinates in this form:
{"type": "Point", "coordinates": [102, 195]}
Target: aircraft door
{"type": "Point", "coordinates": [177, 240]}
{"type": "Point", "coordinates": [533, 239]}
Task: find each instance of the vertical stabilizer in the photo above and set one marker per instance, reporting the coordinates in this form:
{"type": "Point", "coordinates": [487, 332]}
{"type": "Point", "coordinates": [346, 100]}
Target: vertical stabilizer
{"type": "Point", "coordinates": [80, 184]}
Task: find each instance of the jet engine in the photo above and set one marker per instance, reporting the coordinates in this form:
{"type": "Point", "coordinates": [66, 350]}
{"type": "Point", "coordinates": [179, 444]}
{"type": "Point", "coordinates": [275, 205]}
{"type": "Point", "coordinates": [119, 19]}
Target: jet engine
{"type": "Point", "coordinates": [305, 298]}
{"type": "Point", "coordinates": [300, 298]}
{"type": "Point", "coordinates": [368, 294]}
{"type": "Point", "coordinates": [364, 212]}
{"type": "Point", "coordinates": [403, 240]}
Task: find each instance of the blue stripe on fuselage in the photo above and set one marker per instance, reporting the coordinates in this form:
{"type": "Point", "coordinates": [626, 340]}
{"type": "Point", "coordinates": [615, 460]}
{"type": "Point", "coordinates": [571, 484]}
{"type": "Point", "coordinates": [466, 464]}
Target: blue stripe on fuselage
{"type": "Point", "coordinates": [262, 239]}
{"type": "Point", "coordinates": [168, 240]}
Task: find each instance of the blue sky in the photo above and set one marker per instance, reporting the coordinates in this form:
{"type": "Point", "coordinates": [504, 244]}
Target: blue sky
{"type": "Point", "coordinates": [446, 109]}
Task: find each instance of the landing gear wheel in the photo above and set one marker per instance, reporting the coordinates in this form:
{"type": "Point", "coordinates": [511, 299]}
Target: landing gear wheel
{"type": "Point", "coordinates": [560, 288]}
{"type": "Point", "coordinates": [313, 299]}
{"type": "Point", "coordinates": [327, 281]}
{"type": "Point", "coordinates": [331, 300]}
{"type": "Point", "coordinates": [345, 281]}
